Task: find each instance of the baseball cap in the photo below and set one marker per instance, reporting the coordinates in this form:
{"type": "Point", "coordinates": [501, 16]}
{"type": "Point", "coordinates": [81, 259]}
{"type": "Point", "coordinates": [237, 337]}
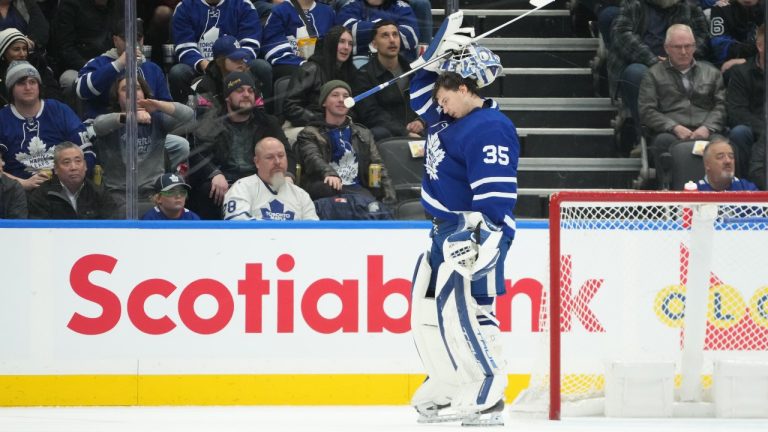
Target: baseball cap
{"type": "Point", "coordinates": [228, 46]}
{"type": "Point", "coordinates": [169, 181]}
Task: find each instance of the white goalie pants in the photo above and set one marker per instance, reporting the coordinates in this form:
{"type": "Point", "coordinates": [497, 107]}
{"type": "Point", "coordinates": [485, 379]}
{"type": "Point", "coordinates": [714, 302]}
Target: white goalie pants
{"type": "Point", "coordinates": [458, 342]}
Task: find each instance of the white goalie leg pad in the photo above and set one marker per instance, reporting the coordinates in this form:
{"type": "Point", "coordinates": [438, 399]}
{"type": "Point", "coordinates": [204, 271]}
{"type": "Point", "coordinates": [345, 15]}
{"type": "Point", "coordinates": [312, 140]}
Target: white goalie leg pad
{"type": "Point", "coordinates": [472, 336]}
{"type": "Point", "coordinates": [442, 378]}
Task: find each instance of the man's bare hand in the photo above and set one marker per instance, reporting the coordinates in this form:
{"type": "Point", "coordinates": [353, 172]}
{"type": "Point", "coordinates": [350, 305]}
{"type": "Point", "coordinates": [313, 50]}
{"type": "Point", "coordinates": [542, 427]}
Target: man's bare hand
{"type": "Point", "coordinates": [219, 187]}
{"type": "Point", "coordinates": [333, 181]}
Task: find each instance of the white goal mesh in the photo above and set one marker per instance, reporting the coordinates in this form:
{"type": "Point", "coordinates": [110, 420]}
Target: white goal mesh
{"type": "Point", "coordinates": [644, 276]}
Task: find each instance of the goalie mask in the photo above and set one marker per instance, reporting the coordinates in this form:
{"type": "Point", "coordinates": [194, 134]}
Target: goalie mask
{"type": "Point", "coordinates": [474, 61]}
{"type": "Point", "coordinates": [473, 249]}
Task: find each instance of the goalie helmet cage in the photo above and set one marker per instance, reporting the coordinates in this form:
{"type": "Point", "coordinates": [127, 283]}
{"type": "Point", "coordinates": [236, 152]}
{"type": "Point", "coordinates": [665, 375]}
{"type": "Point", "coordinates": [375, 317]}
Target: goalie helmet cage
{"type": "Point", "coordinates": [626, 265]}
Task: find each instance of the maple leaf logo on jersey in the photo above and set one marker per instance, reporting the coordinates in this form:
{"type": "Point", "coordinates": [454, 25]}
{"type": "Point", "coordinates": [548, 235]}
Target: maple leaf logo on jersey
{"type": "Point", "coordinates": [276, 211]}
{"type": "Point", "coordinates": [346, 168]}
{"type": "Point", "coordinates": [435, 155]}
{"type": "Point", "coordinates": [37, 156]}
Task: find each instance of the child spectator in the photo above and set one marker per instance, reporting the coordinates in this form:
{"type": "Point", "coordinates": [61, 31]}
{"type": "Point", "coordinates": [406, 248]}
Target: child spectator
{"type": "Point", "coordinates": [170, 197]}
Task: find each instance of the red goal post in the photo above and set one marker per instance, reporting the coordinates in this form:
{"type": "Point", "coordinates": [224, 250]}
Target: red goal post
{"type": "Point", "coordinates": [635, 213]}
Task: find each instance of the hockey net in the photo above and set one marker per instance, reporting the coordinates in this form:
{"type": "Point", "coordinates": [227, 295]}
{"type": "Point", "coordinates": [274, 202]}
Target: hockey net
{"type": "Point", "coordinates": [649, 276]}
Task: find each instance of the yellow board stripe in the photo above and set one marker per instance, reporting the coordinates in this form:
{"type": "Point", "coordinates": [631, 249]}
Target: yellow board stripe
{"type": "Point", "coordinates": [149, 390]}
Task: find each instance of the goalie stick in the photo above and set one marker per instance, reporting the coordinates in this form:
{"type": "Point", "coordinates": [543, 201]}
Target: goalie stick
{"type": "Point", "coordinates": [351, 101]}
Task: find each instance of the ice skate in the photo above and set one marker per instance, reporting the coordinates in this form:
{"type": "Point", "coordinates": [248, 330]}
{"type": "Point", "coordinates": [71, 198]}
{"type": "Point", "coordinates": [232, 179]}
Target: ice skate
{"type": "Point", "coordinates": [487, 417]}
{"type": "Point", "coordinates": [434, 413]}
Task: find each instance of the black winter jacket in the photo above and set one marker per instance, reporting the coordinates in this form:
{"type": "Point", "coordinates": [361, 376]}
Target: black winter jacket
{"type": "Point", "coordinates": [82, 31]}
{"type": "Point", "coordinates": [13, 199]}
{"type": "Point", "coordinates": [301, 106]}
{"type": "Point", "coordinates": [390, 108]}
{"type": "Point", "coordinates": [49, 201]}
{"type": "Point", "coordinates": [745, 96]}
{"type": "Point", "coordinates": [211, 149]}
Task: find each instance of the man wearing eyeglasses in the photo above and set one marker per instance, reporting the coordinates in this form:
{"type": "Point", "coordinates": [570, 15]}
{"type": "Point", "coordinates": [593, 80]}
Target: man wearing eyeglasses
{"type": "Point", "coordinates": [680, 99]}
{"type": "Point", "coordinates": [638, 36]}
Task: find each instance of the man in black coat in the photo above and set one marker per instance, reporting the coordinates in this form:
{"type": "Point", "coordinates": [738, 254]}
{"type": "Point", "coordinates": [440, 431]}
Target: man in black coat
{"type": "Point", "coordinates": [744, 100]}
{"type": "Point", "coordinates": [387, 113]}
{"type": "Point", "coordinates": [13, 199]}
{"type": "Point", "coordinates": [68, 194]}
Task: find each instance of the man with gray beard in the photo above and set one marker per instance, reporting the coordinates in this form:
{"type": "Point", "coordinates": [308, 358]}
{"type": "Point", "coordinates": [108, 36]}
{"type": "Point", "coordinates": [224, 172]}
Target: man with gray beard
{"type": "Point", "coordinates": [638, 43]}
{"type": "Point", "coordinates": [720, 168]}
{"type": "Point", "coordinates": [266, 195]}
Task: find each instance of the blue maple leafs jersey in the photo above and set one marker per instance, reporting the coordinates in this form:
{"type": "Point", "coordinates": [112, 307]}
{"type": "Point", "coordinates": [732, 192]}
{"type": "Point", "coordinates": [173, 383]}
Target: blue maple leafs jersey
{"type": "Point", "coordinates": [27, 144]}
{"type": "Point", "coordinates": [280, 31]}
{"type": "Point", "coordinates": [471, 162]}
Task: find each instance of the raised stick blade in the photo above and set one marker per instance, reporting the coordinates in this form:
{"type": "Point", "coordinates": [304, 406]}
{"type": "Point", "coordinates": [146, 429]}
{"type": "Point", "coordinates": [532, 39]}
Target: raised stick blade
{"type": "Point", "coordinates": [540, 3]}
{"type": "Point", "coordinates": [349, 102]}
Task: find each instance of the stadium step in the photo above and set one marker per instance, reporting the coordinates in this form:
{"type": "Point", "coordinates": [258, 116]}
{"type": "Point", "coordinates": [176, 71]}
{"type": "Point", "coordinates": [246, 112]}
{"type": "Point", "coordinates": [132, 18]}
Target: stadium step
{"type": "Point", "coordinates": [567, 142]}
{"type": "Point", "coordinates": [539, 177]}
{"type": "Point", "coordinates": [544, 52]}
{"type": "Point", "coordinates": [562, 112]}
{"type": "Point", "coordinates": [591, 173]}
{"type": "Point", "coordinates": [545, 82]}
{"type": "Point", "coordinates": [540, 23]}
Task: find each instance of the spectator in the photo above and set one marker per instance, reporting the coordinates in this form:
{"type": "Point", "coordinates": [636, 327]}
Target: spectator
{"type": "Point", "coordinates": [744, 102]}
{"type": "Point", "coordinates": [68, 194]}
{"type": "Point", "coordinates": [336, 154]}
{"type": "Point", "coordinates": [100, 73]}
{"type": "Point", "coordinates": [15, 46]}
{"type": "Point", "coordinates": [680, 99]}
{"type": "Point", "coordinates": [170, 196]}
{"type": "Point", "coordinates": [360, 15]}
{"type": "Point", "coordinates": [719, 169]}
{"type": "Point", "coordinates": [26, 17]}
{"type": "Point", "coordinates": [268, 195]}
{"type": "Point", "coordinates": [156, 119]}
{"type": "Point", "coordinates": [157, 29]}
{"type": "Point", "coordinates": [290, 34]}
{"type": "Point", "coordinates": [196, 26]}
{"type": "Point", "coordinates": [30, 126]}
{"type": "Point", "coordinates": [388, 113]}
{"type": "Point", "coordinates": [13, 199]}
{"type": "Point", "coordinates": [264, 7]}
{"type": "Point", "coordinates": [732, 30]}
{"type": "Point", "coordinates": [332, 60]}
{"type": "Point", "coordinates": [602, 12]}
{"type": "Point", "coordinates": [638, 42]}
{"type": "Point", "coordinates": [82, 30]}
{"type": "Point", "coordinates": [421, 8]}
{"type": "Point", "coordinates": [227, 57]}
{"type": "Point", "coordinates": [224, 142]}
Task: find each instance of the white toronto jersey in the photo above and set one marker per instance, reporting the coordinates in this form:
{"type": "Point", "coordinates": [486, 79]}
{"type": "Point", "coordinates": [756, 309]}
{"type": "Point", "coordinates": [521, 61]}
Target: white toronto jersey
{"type": "Point", "coordinates": [251, 199]}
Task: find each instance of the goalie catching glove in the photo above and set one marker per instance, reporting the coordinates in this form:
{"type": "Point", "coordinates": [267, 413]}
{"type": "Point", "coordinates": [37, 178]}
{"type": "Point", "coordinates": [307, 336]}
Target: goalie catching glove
{"type": "Point", "coordinates": [473, 249]}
